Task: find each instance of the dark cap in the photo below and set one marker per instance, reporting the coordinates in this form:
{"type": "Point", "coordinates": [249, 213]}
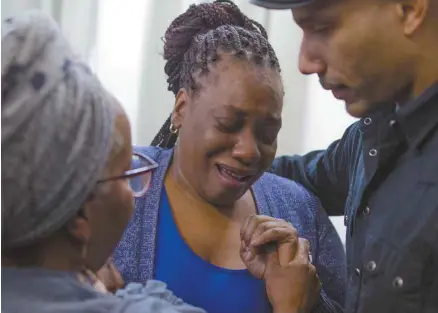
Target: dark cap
{"type": "Point", "coordinates": [281, 4]}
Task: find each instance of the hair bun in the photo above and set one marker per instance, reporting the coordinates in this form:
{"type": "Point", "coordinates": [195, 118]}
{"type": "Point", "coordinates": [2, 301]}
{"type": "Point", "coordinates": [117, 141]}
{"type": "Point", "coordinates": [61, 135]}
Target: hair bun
{"type": "Point", "coordinates": [200, 19]}
{"type": "Point", "coordinates": [216, 14]}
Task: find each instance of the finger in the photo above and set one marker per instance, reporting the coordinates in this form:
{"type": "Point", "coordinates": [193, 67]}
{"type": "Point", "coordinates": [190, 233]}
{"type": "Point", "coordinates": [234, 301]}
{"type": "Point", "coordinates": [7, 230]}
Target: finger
{"type": "Point", "coordinates": [275, 234]}
{"type": "Point", "coordinates": [246, 229]}
{"type": "Point", "coordinates": [91, 275]}
{"type": "Point", "coordinates": [85, 277]}
{"type": "Point", "coordinates": [100, 286]}
{"type": "Point", "coordinates": [104, 274]}
{"type": "Point", "coordinates": [266, 225]}
{"type": "Point", "coordinates": [246, 254]}
{"type": "Point", "coordinates": [314, 274]}
{"type": "Point", "coordinates": [116, 274]}
{"type": "Point", "coordinates": [250, 225]}
{"type": "Point", "coordinates": [287, 251]}
{"type": "Point", "coordinates": [110, 277]}
{"type": "Point", "coordinates": [116, 277]}
{"type": "Point", "coordinates": [272, 260]}
{"type": "Point", "coordinates": [273, 223]}
{"type": "Point", "coordinates": [302, 254]}
{"type": "Point", "coordinates": [94, 279]}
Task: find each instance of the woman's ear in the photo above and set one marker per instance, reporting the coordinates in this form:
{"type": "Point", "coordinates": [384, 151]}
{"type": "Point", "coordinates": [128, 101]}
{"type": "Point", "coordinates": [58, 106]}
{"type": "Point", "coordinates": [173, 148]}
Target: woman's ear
{"type": "Point", "coordinates": [79, 227]}
{"type": "Point", "coordinates": [182, 101]}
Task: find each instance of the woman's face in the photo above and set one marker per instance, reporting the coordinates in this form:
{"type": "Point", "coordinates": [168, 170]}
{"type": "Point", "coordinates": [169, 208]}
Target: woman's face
{"type": "Point", "coordinates": [110, 210]}
{"type": "Point", "coordinates": [228, 129]}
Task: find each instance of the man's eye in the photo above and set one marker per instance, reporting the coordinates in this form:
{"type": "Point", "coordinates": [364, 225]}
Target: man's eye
{"type": "Point", "coordinates": [321, 29]}
{"type": "Point", "coordinates": [317, 28]}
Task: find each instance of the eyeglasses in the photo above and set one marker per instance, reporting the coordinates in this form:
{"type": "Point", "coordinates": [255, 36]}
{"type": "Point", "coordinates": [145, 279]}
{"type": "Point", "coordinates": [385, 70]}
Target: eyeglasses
{"type": "Point", "coordinates": [139, 176]}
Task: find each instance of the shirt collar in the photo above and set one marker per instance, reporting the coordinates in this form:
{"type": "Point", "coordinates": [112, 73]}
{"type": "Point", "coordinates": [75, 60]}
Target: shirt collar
{"type": "Point", "coordinates": [419, 117]}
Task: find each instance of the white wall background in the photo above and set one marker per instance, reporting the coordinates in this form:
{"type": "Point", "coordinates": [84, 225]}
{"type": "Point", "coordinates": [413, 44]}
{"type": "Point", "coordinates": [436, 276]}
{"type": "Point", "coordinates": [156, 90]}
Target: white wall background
{"type": "Point", "coordinates": [122, 41]}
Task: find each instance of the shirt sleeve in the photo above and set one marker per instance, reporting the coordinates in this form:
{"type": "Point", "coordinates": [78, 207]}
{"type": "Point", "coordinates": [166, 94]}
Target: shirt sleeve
{"type": "Point", "coordinates": [326, 305]}
{"type": "Point", "coordinates": [330, 263]}
{"type": "Point", "coordinates": [325, 172]}
{"type": "Point", "coordinates": [154, 297]}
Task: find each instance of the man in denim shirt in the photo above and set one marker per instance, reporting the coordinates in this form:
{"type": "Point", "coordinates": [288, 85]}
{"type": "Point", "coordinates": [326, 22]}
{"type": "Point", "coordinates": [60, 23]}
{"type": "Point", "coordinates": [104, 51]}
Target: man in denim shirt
{"type": "Point", "coordinates": [379, 57]}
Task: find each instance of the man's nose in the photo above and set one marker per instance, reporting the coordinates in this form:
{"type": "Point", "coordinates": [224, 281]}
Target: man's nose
{"type": "Point", "coordinates": [309, 60]}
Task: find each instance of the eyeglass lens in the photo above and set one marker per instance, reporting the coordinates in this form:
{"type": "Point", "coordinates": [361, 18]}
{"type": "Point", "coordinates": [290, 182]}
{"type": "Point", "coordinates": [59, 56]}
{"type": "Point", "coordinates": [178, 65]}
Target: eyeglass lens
{"type": "Point", "coordinates": [140, 183]}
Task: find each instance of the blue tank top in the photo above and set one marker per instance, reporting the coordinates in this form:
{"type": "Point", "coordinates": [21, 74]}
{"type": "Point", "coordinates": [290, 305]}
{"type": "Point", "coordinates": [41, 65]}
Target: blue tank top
{"type": "Point", "coordinates": [199, 283]}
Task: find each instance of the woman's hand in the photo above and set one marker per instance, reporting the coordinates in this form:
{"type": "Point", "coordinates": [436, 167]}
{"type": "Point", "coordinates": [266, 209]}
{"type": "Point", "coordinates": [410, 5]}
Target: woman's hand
{"type": "Point", "coordinates": [110, 277]}
{"type": "Point", "coordinates": [87, 276]}
{"type": "Point", "coordinates": [272, 251]}
{"type": "Point", "coordinates": [293, 287]}
{"type": "Point", "coordinates": [107, 279]}
{"type": "Point", "coordinates": [261, 234]}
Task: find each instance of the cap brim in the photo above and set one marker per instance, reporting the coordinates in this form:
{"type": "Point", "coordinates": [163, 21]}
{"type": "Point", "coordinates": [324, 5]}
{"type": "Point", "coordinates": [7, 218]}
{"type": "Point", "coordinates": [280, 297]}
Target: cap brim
{"type": "Point", "coordinates": [281, 4]}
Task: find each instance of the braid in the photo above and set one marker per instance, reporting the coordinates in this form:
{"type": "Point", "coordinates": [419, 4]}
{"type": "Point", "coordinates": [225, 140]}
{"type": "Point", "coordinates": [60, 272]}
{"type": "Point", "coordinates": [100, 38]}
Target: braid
{"type": "Point", "coordinates": [164, 138]}
{"type": "Point", "coordinates": [195, 39]}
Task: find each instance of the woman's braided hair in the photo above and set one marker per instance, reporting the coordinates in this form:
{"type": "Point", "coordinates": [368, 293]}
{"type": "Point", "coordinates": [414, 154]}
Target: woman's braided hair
{"type": "Point", "coordinates": [193, 41]}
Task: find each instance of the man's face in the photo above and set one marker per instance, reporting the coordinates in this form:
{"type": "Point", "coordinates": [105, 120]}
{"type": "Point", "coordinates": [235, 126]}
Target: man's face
{"type": "Point", "coordinates": [358, 49]}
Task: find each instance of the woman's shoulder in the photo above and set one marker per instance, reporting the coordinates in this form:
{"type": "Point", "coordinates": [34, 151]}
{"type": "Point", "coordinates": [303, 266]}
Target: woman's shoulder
{"type": "Point", "coordinates": [285, 189]}
{"type": "Point", "coordinates": [153, 152]}
{"type": "Point", "coordinates": [290, 201]}
{"type": "Point", "coordinates": [150, 151]}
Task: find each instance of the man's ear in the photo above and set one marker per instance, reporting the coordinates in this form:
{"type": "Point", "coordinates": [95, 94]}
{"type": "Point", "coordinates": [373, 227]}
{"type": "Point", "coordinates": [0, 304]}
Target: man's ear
{"type": "Point", "coordinates": [180, 108]}
{"type": "Point", "coordinates": [412, 14]}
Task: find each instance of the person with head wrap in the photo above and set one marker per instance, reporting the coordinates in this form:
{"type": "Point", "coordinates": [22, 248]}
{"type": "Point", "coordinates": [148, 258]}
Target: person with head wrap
{"type": "Point", "coordinates": [68, 179]}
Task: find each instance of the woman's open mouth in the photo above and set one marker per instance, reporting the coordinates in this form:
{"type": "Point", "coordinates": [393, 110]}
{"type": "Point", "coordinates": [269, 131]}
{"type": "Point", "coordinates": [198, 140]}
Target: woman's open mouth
{"type": "Point", "coordinates": [233, 177]}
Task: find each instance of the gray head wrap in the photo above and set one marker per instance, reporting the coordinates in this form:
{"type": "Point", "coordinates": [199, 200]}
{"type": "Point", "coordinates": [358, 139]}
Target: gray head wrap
{"type": "Point", "coordinates": [57, 125]}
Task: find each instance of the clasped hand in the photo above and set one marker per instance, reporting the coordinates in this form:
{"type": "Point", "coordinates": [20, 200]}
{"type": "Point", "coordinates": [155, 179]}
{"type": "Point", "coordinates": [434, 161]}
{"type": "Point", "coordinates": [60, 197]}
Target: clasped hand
{"type": "Point", "coordinates": [272, 251]}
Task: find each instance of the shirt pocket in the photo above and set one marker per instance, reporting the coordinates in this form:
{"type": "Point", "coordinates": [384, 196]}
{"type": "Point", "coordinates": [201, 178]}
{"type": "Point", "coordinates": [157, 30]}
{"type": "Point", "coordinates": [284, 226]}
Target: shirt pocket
{"type": "Point", "coordinates": [392, 279]}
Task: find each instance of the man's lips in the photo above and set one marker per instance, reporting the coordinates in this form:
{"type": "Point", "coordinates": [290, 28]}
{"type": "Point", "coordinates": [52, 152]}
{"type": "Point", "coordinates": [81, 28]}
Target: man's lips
{"type": "Point", "coordinates": [339, 91]}
{"type": "Point", "coordinates": [344, 93]}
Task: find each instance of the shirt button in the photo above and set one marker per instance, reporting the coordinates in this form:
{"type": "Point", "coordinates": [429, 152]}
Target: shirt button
{"type": "Point", "coordinates": [372, 152]}
{"type": "Point", "coordinates": [366, 211]}
{"type": "Point", "coordinates": [397, 282]}
{"type": "Point", "coordinates": [367, 121]}
{"type": "Point", "coordinates": [392, 123]}
{"type": "Point", "coordinates": [371, 266]}
{"type": "Point", "coordinates": [357, 271]}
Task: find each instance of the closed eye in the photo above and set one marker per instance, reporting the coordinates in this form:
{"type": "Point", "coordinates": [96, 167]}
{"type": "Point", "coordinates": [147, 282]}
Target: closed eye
{"type": "Point", "coordinates": [227, 126]}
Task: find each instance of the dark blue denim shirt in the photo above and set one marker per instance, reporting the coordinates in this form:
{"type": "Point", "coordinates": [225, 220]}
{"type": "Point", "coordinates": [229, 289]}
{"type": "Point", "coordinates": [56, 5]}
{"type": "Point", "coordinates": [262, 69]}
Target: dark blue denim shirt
{"type": "Point", "coordinates": [382, 175]}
